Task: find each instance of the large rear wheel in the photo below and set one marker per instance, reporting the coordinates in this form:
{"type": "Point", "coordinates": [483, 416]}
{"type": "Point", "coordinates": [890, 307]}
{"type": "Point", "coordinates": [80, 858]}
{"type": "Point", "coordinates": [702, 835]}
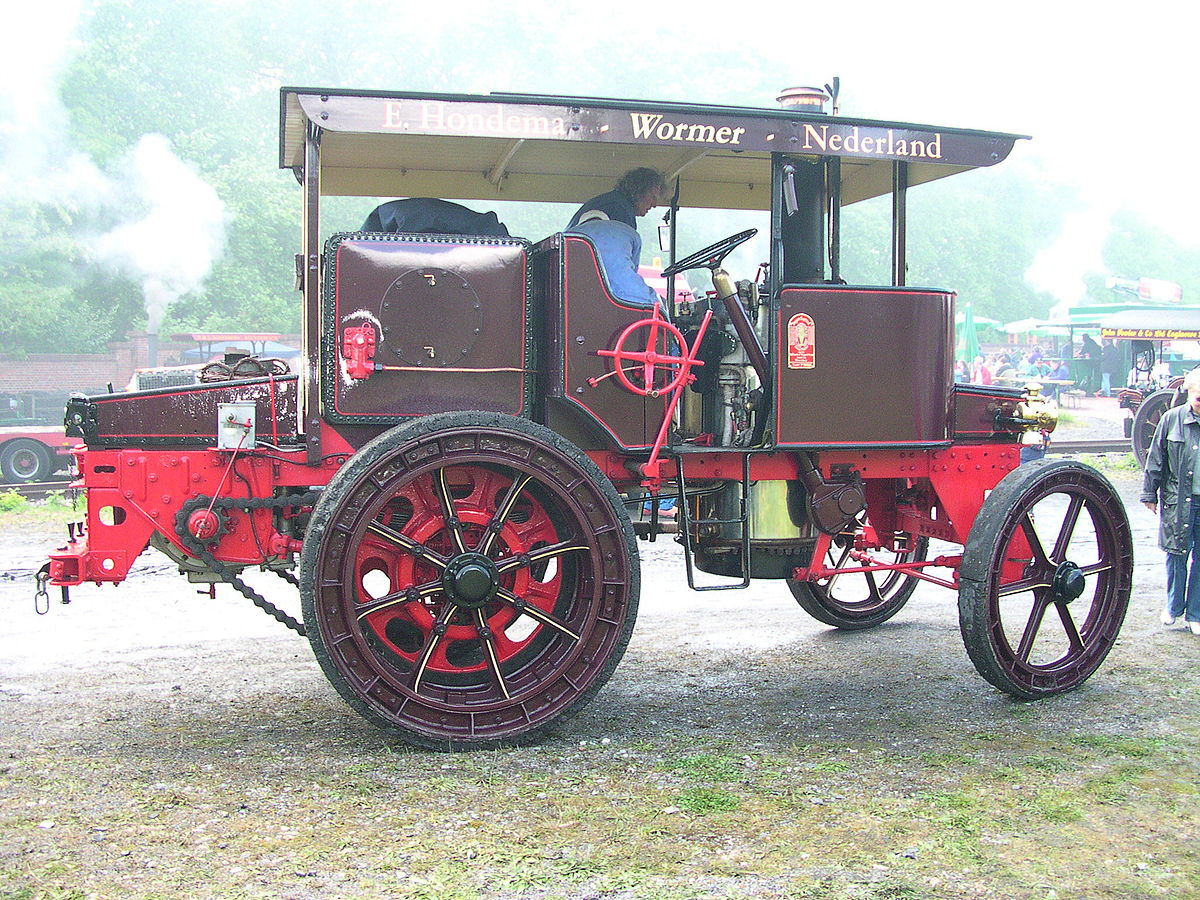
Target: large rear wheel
{"type": "Point", "coordinates": [1045, 578]}
{"type": "Point", "coordinates": [469, 580]}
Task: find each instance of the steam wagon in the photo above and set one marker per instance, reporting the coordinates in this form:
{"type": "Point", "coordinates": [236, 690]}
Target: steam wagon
{"type": "Point", "coordinates": [449, 481]}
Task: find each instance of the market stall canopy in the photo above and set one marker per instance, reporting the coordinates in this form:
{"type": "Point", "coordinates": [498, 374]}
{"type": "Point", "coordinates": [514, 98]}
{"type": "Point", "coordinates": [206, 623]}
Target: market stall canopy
{"type": "Point", "coordinates": [1175, 324]}
{"type": "Point", "coordinates": [1035, 327]}
{"type": "Point", "coordinates": [979, 321]}
{"type": "Point", "coordinates": [566, 149]}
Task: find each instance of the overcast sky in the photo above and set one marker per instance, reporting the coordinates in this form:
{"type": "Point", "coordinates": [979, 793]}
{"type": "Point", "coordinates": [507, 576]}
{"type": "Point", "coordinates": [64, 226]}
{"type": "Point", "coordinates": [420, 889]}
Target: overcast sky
{"type": "Point", "coordinates": [1109, 97]}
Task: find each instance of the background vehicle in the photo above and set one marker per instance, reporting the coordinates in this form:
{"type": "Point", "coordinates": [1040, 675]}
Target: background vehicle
{"type": "Point", "coordinates": [30, 453]}
{"type": "Point", "coordinates": [1150, 395]}
{"type": "Point", "coordinates": [449, 474]}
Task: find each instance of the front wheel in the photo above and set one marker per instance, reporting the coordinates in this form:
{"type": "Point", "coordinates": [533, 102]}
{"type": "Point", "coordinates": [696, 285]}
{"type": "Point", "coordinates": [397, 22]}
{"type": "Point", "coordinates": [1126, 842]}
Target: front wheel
{"type": "Point", "coordinates": [1045, 578]}
{"type": "Point", "coordinates": [858, 600]}
{"type": "Point", "coordinates": [469, 580]}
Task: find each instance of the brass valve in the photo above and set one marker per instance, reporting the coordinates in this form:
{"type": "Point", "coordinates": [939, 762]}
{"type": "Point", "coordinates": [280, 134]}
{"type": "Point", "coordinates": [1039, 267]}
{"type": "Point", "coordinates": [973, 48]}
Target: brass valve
{"type": "Point", "coordinates": [1034, 418]}
{"type": "Point", "coordinates": [1037, 409]}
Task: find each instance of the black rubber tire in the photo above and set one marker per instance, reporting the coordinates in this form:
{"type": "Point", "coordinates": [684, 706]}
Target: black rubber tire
{"type": "Point", "coordinates": [25, 460]}
{"type": "Point", "coordinates": [878, 601]}
{"type": "Point", "coordinates": [1079, 508]}
{"type": "Point", "coordinates": [552, 676]}
{"type": "Point", "coordinates": [1146, 418]}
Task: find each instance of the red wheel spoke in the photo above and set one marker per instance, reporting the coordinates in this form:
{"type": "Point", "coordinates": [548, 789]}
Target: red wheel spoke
{"type": "Point", "coordinates": [435, 635]}
{"type": "Point", "coordinates": [1068, 528]}
{"type": "Point", "coordinates": [538, 615]}
{"type": "Point", "coordinates": [397, 598]}
{"type": "Point", "coordinates": [407, 543]}
{"type": "Point", "coordinates": [503, 511]}
{"type": "Point", "coordinates": [1097, 567]}
{"type": "Point", "coordinates": [1033, 626]}
{"type": "Point", "coordinates": [485, 636]}
{"type": "Point", "coordinates": [1069, 627]}
{"type": "Point", "coordinates": [446, 504]}
{"type": "Point", "coordinates": [542, 553]}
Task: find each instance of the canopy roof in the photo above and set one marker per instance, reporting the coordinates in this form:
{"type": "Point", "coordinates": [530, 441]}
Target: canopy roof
{"type": "Point", "coordinates": [566, 149]}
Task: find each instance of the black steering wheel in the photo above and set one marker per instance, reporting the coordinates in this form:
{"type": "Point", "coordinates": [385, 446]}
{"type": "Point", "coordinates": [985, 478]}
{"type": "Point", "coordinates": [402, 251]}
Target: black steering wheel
{"type": "Point", "coordinates": [710, 257]}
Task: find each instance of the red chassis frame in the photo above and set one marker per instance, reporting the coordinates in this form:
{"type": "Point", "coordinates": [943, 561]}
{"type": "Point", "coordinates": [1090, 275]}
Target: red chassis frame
{"type": "Point", "coordinates": [134, 493]}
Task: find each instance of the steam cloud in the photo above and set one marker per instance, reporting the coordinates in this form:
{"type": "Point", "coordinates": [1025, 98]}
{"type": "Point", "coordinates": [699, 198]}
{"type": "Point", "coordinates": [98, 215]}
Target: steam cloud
{"type": "Point", "coordinates": [1060, 268]}
{"type": "Point", "coordinates": [171, 248]}
{"type": "Point", "coordinates": [170, 223]}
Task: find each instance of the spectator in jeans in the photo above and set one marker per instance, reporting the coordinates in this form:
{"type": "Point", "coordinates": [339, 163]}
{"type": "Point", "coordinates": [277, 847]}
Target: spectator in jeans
{"type": "Point", "coordinates": [1110, 365]}
{"type": "Point", "coordinates": [1171, 489]}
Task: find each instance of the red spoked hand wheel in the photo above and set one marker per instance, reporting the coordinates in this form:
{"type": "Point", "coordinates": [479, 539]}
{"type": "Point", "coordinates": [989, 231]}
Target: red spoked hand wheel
{"type": "Point", "coordinates": [652, 362]}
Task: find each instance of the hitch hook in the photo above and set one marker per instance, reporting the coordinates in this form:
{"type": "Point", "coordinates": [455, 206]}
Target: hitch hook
{"type": "Point", "coordinates": [41, 598]}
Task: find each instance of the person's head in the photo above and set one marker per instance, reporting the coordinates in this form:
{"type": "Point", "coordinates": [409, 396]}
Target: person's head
{"type": "Point", "coordinates": [1191, 382]}
{"type": "Point", "coordinates": [645, 187]}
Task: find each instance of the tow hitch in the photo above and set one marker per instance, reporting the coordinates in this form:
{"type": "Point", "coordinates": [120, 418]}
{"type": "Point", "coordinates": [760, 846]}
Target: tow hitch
{"type": "Point", "coordinates": [41, 597]}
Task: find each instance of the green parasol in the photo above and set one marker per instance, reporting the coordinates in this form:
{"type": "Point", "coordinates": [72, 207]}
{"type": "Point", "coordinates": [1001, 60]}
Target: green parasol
{"type": "Point", "coordinates": [966, 345]}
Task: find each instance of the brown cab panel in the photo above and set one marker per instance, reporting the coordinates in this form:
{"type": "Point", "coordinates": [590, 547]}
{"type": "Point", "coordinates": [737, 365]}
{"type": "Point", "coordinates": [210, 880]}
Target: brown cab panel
{"type": "Point", "coordinates": [847, 374]}
{"type": "Point", "coordinates": [449, 317]}
{"type": "Point", "coordinates": [582, 318]}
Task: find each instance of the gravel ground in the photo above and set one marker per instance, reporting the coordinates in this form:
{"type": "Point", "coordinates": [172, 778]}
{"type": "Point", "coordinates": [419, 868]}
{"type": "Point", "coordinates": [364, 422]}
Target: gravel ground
{"type": "Point", "coordinates": [157, 742]}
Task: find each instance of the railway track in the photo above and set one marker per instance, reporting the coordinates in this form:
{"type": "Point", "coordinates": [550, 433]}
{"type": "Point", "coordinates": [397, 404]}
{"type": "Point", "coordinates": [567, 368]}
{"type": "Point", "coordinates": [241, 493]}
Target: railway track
{"type": "Point", "coordinates": [1113, 445]}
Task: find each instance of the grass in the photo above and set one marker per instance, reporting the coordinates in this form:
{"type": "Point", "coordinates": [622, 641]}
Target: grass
{"type": "Point", "coordinates": [675, 819]}
{"type": "Point", "coordinates": [51, 513]}
{"type": "Point", "coordinates": [1112, 464]}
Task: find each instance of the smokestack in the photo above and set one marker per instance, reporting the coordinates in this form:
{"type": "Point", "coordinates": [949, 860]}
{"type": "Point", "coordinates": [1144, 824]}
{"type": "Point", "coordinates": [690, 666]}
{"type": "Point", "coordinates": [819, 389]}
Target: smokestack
{"type": "Point", "coordinates": [803, 99]}
{"type": "Point", "coordinates": [152, 349]}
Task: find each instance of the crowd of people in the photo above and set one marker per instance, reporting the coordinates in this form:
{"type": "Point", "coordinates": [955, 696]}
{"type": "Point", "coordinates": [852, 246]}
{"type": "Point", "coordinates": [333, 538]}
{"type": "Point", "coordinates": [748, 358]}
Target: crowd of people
{"type": "Point", "coordinates": [1031, 364]}
{"type": "Point", "coordinates": [1095, 370]}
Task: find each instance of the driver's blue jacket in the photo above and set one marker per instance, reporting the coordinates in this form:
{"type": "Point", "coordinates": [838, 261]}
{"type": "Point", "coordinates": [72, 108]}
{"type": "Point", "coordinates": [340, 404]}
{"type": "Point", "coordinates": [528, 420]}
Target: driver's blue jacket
{"type": "Point", "coordinates": [620, 249]}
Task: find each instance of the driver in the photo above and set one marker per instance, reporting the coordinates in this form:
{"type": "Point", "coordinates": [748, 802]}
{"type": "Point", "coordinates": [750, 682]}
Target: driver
{"type": "Point", "coordinates": [638, 191]}
{"type": "Point", "coordinates": [619, 248]}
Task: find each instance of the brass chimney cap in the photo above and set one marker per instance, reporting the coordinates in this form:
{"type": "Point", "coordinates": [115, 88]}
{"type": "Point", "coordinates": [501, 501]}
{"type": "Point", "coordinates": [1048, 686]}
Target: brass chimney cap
{"type": "Point", "coordinates": [803, 98]}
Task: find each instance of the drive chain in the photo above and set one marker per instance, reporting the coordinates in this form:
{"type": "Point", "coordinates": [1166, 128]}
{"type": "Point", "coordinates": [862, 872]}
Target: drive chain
{"type": "Point", "coordinates": [200, 550]}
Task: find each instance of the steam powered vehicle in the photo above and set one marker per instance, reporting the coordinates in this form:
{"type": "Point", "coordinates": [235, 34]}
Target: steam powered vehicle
{"type": "Point", "coordinates": [448, 481]}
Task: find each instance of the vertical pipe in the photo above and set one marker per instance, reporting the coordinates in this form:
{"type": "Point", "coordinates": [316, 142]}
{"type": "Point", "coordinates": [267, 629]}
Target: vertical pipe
{"type": "Point", "coordinates": [833, 180]}
{"type": "Point", "coordinates": [310, 398]}
{"type": "Point", "coordinates": [899, 223]}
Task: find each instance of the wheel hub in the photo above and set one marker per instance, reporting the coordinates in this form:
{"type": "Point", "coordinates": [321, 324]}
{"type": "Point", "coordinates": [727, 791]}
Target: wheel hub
{"type": "Point", "coordinates": [470, 580]}
{"type": "Point", "coordinates": [1068, 582]}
